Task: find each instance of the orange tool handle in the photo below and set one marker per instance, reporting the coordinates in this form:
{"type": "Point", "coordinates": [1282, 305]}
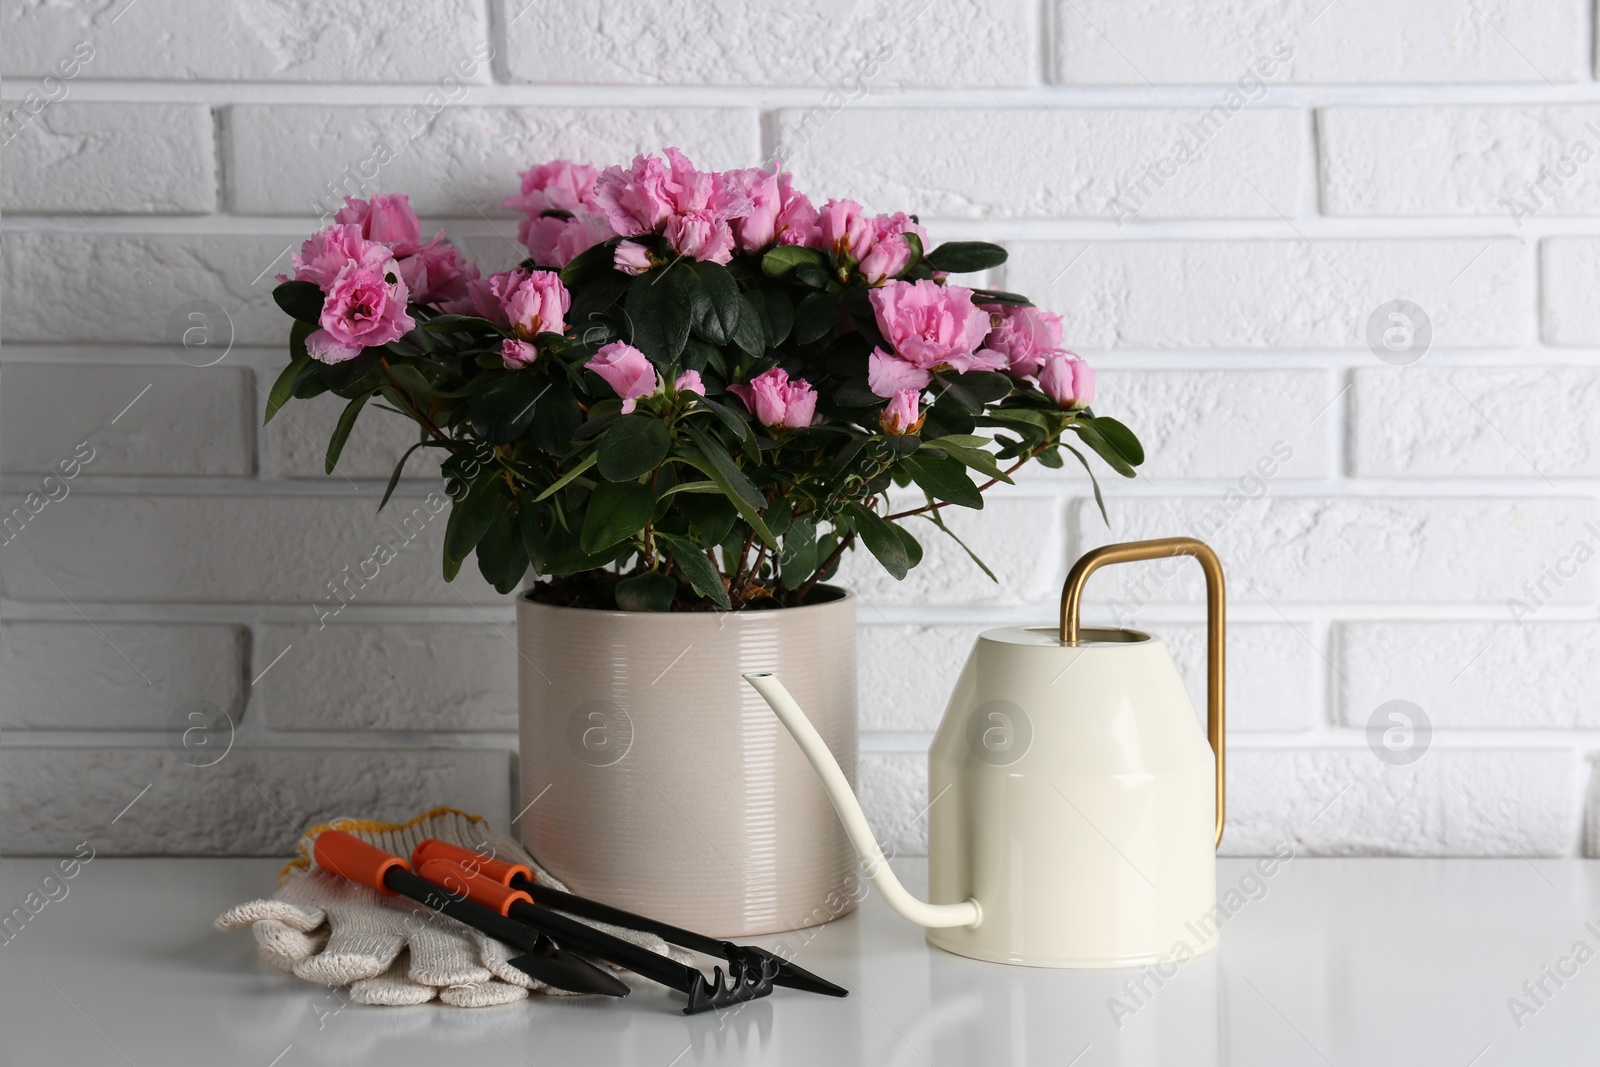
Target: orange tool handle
{"type": "Point", "coordinates": [353, 858]}
{"type": "Point", "coordinates": [493, 869]}
{"type": "Point", "coordinates": [458, 880]}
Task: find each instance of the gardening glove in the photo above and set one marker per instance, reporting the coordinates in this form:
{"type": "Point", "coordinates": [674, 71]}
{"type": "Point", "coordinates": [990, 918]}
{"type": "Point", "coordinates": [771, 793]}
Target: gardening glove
{"type": "Point", "coordinates": [392, 950]}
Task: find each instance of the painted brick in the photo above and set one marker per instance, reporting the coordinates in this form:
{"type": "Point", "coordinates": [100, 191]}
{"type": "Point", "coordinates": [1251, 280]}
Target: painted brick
{"type": "Point", "coordinates": [1460, 161]}
{"type": "Point", "coordinates": [429, 676]}
{"type": "Point", "coordinates": [1280, 422]}
{"type": "Point", "coordinates": [1107, 42]}
{"type": "Point", "coordinates": [1451, 802]}
{"type": "Point", "coordinates": [237, 40]}
{"type": "Point", "coordinates": [190, 420]}
{"type": "Point", "coordinates": [302, 160]}
{"type": "Point", "coordinates": [1351, 549]}
{"type": "Point", "coordinates": [1532, 675]}
{"type": "Point", "coordinates": [1030, 163]}
{"type": "Point", "coordinates": [894, 794]}
{"type": "Point", "coordinates": [144, 286]}
{"type": "Point", "coordinates": [254, 802]}
{"type": "Point", "coordinates": [221, 549]}
{"type": "Point", "coordinates": [126, 676]}
{"type": "Point", "coordinates": [1020, 538]}
{"type": "Point", "coordinates": [1499, 422]}
{"type": "Point", "coordinates": [1571, 315]}
{"type": "Point", "coordinates": [1591, 838]}
{"type": "Point", "coordinates": [1274, 676]}
{"type": "Point", "coordinates": [109, 158]}
{"type": "Point", "coordinates": [1275, 294]}
{"type": "Point", "coordinates": [297, 442]}
{"type": "Point", "coordinates": [847, 50]}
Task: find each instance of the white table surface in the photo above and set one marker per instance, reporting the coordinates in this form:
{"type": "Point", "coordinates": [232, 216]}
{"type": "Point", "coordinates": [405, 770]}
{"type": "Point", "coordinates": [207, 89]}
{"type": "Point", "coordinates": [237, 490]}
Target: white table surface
{"type": "Point", "coordinates": [1342, 961]}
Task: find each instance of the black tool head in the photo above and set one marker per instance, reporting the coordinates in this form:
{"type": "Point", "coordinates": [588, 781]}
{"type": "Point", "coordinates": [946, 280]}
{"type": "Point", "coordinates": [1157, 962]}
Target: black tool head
{"type": "Point", "coordinates": [744, 982]}
{"type": "Point", "coordinates": [566, 971]}
{"type": "Point", "coordinates": [789, 975]}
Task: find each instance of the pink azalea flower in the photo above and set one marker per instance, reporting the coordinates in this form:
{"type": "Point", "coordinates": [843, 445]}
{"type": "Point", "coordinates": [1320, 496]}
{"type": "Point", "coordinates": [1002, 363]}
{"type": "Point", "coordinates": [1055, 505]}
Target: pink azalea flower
{"type": "Point", "coordinates": [437, 272]}
{"type": "Point", "coordinates": [627, 370]}
{"type": "Point", "coordinates": [559, 185]}
{"type": "Point", "coordinates": [515, 355]}
{"type": "Point", "coordinates": [326, 252]}
{"type": "Point", "coordinates": [1066, 379]}
{"type": "Point", "coordinates": [930, 327]}
{"type": "Point", "coordinates": [844, 230]}
{"type": "Point", "coordinates": [890, 252]}
{"type": "Point", "coordinates": [553, 240]}
{"type": "Point", "coordinates": [531, 302]}
{"type": "Point", "coordinates": [692, 208]}
{"type": "Point", "coordinates": [365, 307]}
{"type": "Point", "coordinates": [1023, 335]}
{"type": "Point", "coordinates": [776, 401]}
{"type": "Point", "coordinates": [689, 382]}
{"type": "Point", "coordinates": [387, 217]}
{"type": "Point", "coordinates": [778, 214]}
{"type": "Point", "coordinates": [903, 413]}
{"type": "Point", "coordinates": [631, 257]}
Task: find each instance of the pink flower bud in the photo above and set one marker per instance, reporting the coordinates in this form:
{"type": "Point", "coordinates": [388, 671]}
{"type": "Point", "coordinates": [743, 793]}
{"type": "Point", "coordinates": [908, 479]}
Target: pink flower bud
{"type": "Point", "coordinates": [1066, 379]}
{"type": "Point", "coordinates": [631, 257]}
{"type": "Point", "coordinates": [627, 370]}
{"type": "Point", "coordinates": [902, 415]}
{"type": "Point", "coordinates": [689, 382]}
{"type": "Point", "coordinates": [516, 354]}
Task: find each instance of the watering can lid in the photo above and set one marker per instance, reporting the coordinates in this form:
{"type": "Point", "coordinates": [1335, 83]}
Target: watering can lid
{"type": "Point", "coordinates": [1050, 637]}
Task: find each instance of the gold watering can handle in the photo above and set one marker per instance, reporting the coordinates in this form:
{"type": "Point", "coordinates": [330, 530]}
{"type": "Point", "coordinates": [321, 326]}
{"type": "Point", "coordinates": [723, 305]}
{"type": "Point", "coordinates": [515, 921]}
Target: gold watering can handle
{"type": "Point", "coordinates": [1216, 627]}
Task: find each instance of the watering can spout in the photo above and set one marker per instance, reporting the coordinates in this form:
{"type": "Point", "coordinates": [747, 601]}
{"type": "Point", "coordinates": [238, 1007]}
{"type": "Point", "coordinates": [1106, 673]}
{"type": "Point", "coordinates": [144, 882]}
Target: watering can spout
{"type": "Point", "coordinates": [966, 913]}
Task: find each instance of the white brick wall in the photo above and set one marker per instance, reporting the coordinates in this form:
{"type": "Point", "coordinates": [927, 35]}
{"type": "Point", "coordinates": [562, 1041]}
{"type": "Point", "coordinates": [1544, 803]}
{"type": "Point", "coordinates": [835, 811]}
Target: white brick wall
{"type": "Point", "coordinates": [1416, 533]}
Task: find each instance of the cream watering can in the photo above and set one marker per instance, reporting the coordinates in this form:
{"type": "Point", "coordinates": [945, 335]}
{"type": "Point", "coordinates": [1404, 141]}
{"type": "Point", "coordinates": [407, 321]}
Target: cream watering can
{"type": "Point", "coordinates": [1075, 805]}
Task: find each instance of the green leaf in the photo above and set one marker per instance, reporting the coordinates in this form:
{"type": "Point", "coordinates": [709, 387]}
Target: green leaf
{"type": "Point", "coordinates": [785, 258]}
{"type": "Point", "coordinates": [750, 336]}
{"type": "Point", "coordinates": [977, 389]}
{"type": "Point", "coordinates": [799, 556]}
{"type": "Point", "coordinates": [470, 518]}
{"type": "Point", "coordinates": [649, 591]}
{"type": "Point", "coordinates": [502, 410]}
{"type": "Point", "coordinates": [413, 382]}
{"type": "Point", "coordinates": [502, 560]}
{"type": "Point", "coordinates": [592, 264]}
{"type": "Point", "coordinates": [965, 257]}
{"type": "Point", "coordinates": [814, 317]}
{"type": "Point", "coordinates": [617, 511]}
{"type": "Point", "coordinates": [720, 316]}
{"type": "Point", "coordinates": [283, 386]}
{"type": "Point", "coordinates": [999, 296]}
{"type": "Point", "coordinates": [777, 313]}
{"type": "Point", "coordinates": [661, 307]}
{"type": "Point", "coordinates": [1118, 436]}
{"type": "Point", "coordinates": [716, 464]}
{"type": "Point", "coordinates": [943, 479]}
{"type": "Point", "coordinates": [341, 431]}
{"type": "Point", "coordinates": [697, 569]}
{"type": "Point", "coordinates": [711, 516]}
{"type": "Point", "coordinates": [535, 539]}
{"type": "Point", "coordinates": [935, 518]}
{"type": "Point", "coordinates": [634, 445]}
{"type": "Point", "coordinates": [882, 539]}
{"type": "Point", "coordinates": [461, 324]}
{"type": "Point", "coordinates": [399, 468]}
{"type": "Point", "coordinates": [1098, 499]}
{"type": "Point", "coordinates": [1104, 448]}
{"type": "Point", "coordinates": [562, 482]}
{"type": "Point", "coordinates": [978, 458]}
{"type": "Point", "coordinates": [302, 300]}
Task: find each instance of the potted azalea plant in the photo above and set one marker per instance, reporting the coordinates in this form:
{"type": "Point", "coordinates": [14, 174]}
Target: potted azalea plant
{"type": "Point", "coordinates": [697, 394]}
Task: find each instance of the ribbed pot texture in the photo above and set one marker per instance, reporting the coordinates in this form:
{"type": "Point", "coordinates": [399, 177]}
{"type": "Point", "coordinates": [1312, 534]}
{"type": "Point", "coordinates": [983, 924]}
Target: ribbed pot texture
{"type": "Point", "coordinates": [660, 782]}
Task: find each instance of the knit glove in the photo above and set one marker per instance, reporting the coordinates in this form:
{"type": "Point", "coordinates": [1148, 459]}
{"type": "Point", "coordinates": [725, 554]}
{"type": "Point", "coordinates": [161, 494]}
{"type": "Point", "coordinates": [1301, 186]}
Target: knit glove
{"type": "Point", "coordinates": [393, 950]}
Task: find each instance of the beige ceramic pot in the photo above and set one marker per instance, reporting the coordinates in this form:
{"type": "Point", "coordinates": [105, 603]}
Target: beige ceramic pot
{"type": "Point", "coordinates": [660, 782]}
